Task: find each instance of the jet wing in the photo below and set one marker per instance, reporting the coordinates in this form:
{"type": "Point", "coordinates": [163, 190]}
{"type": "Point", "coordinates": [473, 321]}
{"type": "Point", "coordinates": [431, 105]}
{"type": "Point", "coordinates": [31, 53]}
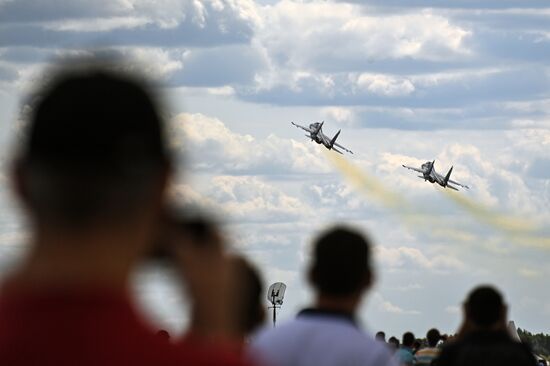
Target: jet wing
{"type": "Point", "coordinates": [415, 169]}
{"type": "Point", "coordinates": [458, 184]}
{"type": "Point", "coordinates": [303, 128]}
{"type": "Point", "coordinates": [341, 147]}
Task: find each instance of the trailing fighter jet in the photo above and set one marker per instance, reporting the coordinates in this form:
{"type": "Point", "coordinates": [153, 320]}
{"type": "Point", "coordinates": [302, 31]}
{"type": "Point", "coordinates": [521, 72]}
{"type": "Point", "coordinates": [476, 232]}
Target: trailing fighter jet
{"type": "Point", "coordinates": [316, 134]}
{"type": "Point", "coordinates": [429, 174]}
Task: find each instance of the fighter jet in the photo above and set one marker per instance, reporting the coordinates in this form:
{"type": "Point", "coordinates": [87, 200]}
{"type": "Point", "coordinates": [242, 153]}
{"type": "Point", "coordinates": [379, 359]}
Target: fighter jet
{"type": "Point", "coordinates": [429, 174]}
{"type": "Point", "coordinates": [316, 134]}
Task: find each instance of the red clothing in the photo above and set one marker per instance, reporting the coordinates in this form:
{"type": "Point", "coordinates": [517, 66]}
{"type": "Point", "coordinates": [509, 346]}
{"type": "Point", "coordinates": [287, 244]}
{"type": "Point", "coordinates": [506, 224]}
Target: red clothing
{"type": "Point", "coordinates": [85, 327]}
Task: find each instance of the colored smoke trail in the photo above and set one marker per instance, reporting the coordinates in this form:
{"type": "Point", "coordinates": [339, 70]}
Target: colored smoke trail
{"type": "Point", "coordinates": [412, 216]}
{"type": "Point", "coordinates": [479, 211]}
{"type": "Point", "coordinates": [518, 230]}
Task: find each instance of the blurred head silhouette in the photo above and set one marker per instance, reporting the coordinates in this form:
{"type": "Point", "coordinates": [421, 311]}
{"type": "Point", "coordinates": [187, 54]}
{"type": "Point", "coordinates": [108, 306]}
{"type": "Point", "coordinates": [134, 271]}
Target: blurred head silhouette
{"type": "Point", "coordinates": [433, 336]}
{"type": "Point", "coordinates": [485, 309]}
{"type": "Point", "coordinates": [251, 310]}
{"type": "Point", "coordinates": [93, 159]}
{"type": "Point", "coordinates": [408, 339]}
{"type": "Point", "coordinates": [341, 268]}
{"type": "Point", "coordinates": [93, 149]}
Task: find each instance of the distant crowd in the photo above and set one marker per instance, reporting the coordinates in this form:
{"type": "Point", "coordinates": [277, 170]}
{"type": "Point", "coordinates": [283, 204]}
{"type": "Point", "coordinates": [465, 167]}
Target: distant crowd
{"type": "Point", "coordinates": [92, 176]}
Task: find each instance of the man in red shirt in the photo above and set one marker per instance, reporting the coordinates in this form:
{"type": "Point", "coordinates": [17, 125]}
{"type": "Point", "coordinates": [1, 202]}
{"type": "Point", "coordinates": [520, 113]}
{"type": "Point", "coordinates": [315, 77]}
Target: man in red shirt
{"type": "Point", "coordinates": [91, 176]}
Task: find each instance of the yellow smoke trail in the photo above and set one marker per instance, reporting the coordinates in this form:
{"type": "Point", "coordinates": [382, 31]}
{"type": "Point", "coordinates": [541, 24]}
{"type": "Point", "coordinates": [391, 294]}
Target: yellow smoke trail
{"type": "Point", "coordinates": [365, 182]}
{"type": "Point", "coordinates": [411, 216]}
{"type": "Point", "coordinates": [518, 230]}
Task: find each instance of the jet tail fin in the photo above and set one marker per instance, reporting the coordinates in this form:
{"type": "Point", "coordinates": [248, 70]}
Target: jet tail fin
{"type": "Point", "coordinates": [320, 126]}
{"type": "Point", "coordinates": [431, 167]}
{"type": "Point", "coordinates": [334, 139]}
{"type": "Point", "coordinates": [448, 176]}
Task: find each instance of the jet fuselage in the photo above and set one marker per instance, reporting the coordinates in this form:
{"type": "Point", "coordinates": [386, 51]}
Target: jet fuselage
{"type": "Point", "coordinates": [315, 135]}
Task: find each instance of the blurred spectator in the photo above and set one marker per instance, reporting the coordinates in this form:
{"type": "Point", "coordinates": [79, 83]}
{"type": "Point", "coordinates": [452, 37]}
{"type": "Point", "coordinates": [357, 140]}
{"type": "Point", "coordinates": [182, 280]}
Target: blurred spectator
{"type": "Point", "coordinates": [416, 346]}
{"type": "Point", "coordinates": [405, 354]}
{"type": "Point", "coordinates": [425, 356]}
{"type": "Point", "coordinates": [393, 343]}
{"type": "Point", "coordinates": [380, 336]}
{"type": "Point", "coordinates": [91, 176]}
{"type": "Point", "coordinates": [484, 338]}
{"type": "Point", "coordinates": [250, 290]}
{"type": "Point", "coordinates": [328, 333]}
{"type": "Point", "coordinates": [444, 339]}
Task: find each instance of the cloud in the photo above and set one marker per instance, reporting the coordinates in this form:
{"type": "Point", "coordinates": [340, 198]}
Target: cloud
{"type": "Point", "coordinates": [529, 273]}
{"type": "Point", "coordinates": [234, 64]}
{"type": "Point", "coordinates": [407, 258]}
{"type": "Point", "coordinates": [453, 309]}
{"type": "Point", "coordinates": [218, 149]}
{"type": "Point", "coordinates": [462, 90]}
{"type": "Point", "coordinates": [539, 168]}
{"type": "Point", "coordinates": [244, 199]}
{"type": "Point", "coordinates": [385, 85]}
{"type": "Point", "coordinates": [409, 287]}
{"type": "Point", "coordinates": [301, 35]}
{"type": "Point", "coordinates": [386, 306]}
{"type": "Point", "coordinates": [344, 116]}
{"type": "Point", "coordinates": [35, 11]}
{"type": "Point", "coordinates": [166, 13]}
{"type": "Point", "coordinates": [8, 74]}
{"type": "Point", "coordinates": [68, 24]}
{"type": "Point", "coordinates": [460, 4]}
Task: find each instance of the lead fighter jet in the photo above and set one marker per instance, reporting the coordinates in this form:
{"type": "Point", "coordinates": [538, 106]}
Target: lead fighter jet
{"type": "Point", "coordinates": [316, 134]}
{"type": "Point", "coordinates": [429, 174]}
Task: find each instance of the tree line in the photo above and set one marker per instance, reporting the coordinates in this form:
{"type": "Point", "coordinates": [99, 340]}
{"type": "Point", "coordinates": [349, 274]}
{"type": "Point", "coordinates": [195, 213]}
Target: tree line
{"type": "Point", "coordinates": [540, 343]}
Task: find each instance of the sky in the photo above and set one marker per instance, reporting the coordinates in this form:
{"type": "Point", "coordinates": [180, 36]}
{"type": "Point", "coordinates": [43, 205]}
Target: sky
{"type": "Point", "coordinates": [466, 83]}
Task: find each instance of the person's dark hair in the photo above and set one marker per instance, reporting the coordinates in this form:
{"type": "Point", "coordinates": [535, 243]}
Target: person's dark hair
{"type": "Point", "coordinates": [93, 147]}
{"type": "Point", "coordinates": [433, 336]}
{"type": "Point", "coordinates": [251, 312]}
{"type": "Point", "coordinates": [341, 262]}
{"type": "Point", "coordinates": [484, 306]}
{"type": "Point", "coordinates": [381, 336]}
{"type": "Point", "coordinates": [393, 341]}
{"type": "Point", "coordinates": [408, 339]}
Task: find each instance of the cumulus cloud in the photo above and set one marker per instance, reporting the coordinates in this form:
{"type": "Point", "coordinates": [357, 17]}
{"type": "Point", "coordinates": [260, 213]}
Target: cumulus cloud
{"type": "Point", "coordinates": [453, 309]}
{"type": "Point", "coordinates": [409, 287]}
{"type": "Point", "coordinates": [539, 168]}
{"type": "Point", "coordinates": [344, 116]}
{"type": "Point", "coordinates": [217, 148]}
{"type": "Point", "coordinates": [345, 41]}
{"type": "Point", "coordinates": [68, 24]}
{"type": "Point", "coordinates": [166, 13]}
{"type": "Point", "coordinates": [529, 273]}
{"type": "Point", "coordinates": [302, 34]}
{"type": "Point", "coordinates": [220, 66]}
{"type": "Point", "coordinates": [408, 258]}
{"type": "Point", "coordinates": [244, 199]}
{"type": "Point", "coordinates": [385, 85]}
{"type": "Point", "coordinates": [386, 306]}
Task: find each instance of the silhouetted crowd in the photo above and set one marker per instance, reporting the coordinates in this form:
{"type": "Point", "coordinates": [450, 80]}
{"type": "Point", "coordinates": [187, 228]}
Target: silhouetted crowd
{"type": "Point", "coordinates": [92, 176]}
